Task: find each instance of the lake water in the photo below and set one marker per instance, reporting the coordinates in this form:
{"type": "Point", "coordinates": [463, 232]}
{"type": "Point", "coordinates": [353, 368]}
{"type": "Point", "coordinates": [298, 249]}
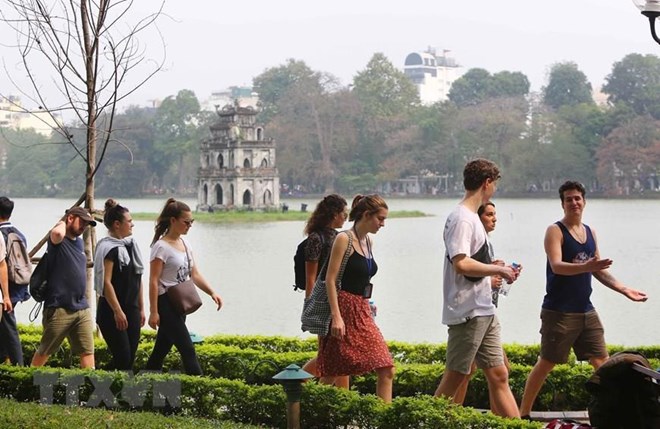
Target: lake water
{"type": "Point", "coordinates": [251, 266]}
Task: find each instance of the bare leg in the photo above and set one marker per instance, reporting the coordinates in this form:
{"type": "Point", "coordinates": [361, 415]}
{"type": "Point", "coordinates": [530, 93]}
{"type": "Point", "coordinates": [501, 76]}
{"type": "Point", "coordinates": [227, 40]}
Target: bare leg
{"type": "Point", "coordinates": [87, 361]}
{"type": "Point", "coordinates": [342, 382]}
{"type": "Point", "coordinates": [39, 359]}
{"type": "Point", "coordinates": [461, 392]}
{"type": "Point", "coordinates": [500, 392]}
{"type": "Point", "coordinates": [493, 406]}
{"type": "Point", "coordinates": [450, 382]}
{"type": "Point", "coordinates": [596, 362]}
{"type": "Point", "coordinates": [310, 367]}
{"type": "Point", "coordinates": [384, 383]}
{"type": "Point", "coordinates": [534, 383]}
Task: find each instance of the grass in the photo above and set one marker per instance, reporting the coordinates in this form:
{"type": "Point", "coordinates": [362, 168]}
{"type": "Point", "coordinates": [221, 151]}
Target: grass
{"type": "Point", "coordinates": [258, 216]}
{"type": "Point", "coordinates": [36, 416]}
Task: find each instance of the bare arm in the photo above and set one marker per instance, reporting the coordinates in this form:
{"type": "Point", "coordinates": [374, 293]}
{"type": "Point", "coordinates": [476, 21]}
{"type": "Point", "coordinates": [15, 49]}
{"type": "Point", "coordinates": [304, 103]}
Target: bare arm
{"type": "Point", "coordinates": [311, 271]}
{"type": "Point", "coordinates": [467, 266]}
{"type": "Point", "coordinates": [338, 250]}
{"type": "Point", "coordinates": [553, 242]}
{"type": "Point", "coordinates": [201, 283]}
{"type": "Point", "coordinates": [611, 282]}
{"type": "Point", "coordinates": [155, 270]}
{"type": "Point", "coordinates": [4, 284]}
{"type": "Point", "coordinates": [109, 293]}
{"type": "Point", "coordinates": [58, 232]}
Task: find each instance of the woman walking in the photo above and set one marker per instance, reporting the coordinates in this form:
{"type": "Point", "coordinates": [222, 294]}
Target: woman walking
{"type": "Point", "coordinates": [118, 283]}
{"type": "Point", "coordinates": [172, 262]}
{"type": "Point", "coordinates": [354, 344]}
{"type": "Point", "coordinates": [330, 213]}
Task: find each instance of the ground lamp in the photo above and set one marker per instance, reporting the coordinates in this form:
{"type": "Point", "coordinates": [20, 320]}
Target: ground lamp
{"type": "Point", "coordinates": [291, 379]}
{"type": "Point", "coordinates": [650, 9]}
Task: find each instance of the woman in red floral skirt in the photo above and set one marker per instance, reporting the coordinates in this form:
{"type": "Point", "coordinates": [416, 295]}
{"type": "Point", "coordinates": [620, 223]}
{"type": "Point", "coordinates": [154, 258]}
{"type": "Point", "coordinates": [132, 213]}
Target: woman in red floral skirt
{"type": "Point", "coordinates": [354, 344]}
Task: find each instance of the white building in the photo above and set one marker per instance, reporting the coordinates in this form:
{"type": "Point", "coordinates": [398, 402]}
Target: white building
{"type": "Point", "coordinates": [243, 95]}
{"type": "Point", "coordinates": [432, 74]}
{"type": "Point", "coordinates": [14, 115]}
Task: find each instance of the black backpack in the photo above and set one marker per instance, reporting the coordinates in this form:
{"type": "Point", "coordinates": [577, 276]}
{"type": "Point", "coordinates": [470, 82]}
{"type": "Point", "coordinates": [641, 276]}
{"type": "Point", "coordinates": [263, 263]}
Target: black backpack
{"type": "Point", "coordinates": [299, 264]}
{"type": "Point", "coordinates": [622, 397]}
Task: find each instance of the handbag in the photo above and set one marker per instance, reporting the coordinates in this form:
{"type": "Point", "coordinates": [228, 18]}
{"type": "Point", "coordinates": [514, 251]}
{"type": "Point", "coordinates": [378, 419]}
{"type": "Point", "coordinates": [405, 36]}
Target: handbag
{"type": "Point", "coordinates": [184, 296]}
{"type": "Point", "coordinates": [316, 315]}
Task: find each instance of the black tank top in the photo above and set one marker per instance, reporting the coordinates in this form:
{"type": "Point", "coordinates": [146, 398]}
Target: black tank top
{"type": "Point", "coordinates": [356, 274]}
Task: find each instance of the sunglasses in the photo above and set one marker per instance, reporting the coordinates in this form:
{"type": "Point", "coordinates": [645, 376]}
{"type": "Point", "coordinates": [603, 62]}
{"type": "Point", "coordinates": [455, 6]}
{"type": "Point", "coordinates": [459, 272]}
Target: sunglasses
{"type": "Point", "coordinates": [188, 222]}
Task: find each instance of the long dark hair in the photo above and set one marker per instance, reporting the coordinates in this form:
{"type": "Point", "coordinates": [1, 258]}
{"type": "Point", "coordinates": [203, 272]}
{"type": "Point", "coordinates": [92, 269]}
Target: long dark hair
{"type": "Point", "coordinates": [324, 212]}
{"type": "Point", "coordinates": [368, 204]}
{"type": "Point", "coordinates": [173, 208]}
{"type": "Point", "coordinates": [113, 212]}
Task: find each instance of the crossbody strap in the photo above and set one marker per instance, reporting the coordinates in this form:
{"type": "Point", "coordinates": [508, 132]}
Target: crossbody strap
{"type": "Point", "coordinates": [344, 260]}
{"type": "Point", "coordinates": [187, 258]}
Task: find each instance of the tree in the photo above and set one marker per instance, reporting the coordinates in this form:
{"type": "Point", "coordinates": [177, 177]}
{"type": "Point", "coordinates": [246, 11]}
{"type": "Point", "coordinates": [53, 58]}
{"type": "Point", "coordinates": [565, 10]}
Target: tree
{"type": "Point", "coordinates": [567, 86]}
{"type": "Point", "coordinates": [629, 158]}
{"type": "Point", "coordinates": [91, 48]}
{"type": "Point", "coordinates": [179, 126]}
{"type": "Point", "coordinates": [478, 85]}
{"type": "Point", "coordinates": [388, 99]}
{"type": "Point", "coordinates": [635, 81]}
{"type": "Point", "coordinates": [275, 82]}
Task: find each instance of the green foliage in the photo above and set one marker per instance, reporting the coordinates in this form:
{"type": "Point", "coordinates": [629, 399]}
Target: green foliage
{"type": "Point", "coordinates": [35, 416]}
{"type": "Point", "coordinates": [226, 400]}
{"type": "Point", "coordinates": [635, 82]}
{"type": "Point", "coordinates": [567, 86]}
{"type": "Point", "coordinates": [478, 85]}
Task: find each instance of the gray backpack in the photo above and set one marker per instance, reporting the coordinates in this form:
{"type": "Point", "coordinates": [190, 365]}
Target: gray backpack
{"type": "Point", "coordinates": [19, 267]}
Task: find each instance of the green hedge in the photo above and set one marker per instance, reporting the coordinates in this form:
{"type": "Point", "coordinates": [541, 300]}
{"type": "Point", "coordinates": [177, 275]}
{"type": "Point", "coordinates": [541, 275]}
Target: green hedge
{"type": "Point", "coordinates": [419, 367]}
{"type": "Point", "coordinates": [230, 400]}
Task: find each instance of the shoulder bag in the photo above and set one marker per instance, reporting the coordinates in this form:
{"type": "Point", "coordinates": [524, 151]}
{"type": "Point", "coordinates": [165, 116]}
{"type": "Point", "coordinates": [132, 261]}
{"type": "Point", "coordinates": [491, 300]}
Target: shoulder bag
{"type": "Point", "coordinates": [316, 315]}
{"type": "Point", "coordinates": [184, 296]}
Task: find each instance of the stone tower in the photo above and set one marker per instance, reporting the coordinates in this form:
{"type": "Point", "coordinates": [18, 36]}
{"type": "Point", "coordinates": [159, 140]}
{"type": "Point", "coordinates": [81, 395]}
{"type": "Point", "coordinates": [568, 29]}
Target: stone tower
{"type": "Point", "coordinates": [237, 164]}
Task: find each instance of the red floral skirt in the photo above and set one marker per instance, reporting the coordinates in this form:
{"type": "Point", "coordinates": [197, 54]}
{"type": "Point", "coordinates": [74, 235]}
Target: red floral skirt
{"type": "Point", "coordinates": [362, 349]}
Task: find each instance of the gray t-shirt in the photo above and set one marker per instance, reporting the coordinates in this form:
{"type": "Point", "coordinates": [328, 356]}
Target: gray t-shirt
{"type": "Point", "coordinates": [175, 264]}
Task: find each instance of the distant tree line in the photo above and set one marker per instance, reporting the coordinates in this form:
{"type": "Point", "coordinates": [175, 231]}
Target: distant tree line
{"type": "Point", "coordinates": [351, 138]}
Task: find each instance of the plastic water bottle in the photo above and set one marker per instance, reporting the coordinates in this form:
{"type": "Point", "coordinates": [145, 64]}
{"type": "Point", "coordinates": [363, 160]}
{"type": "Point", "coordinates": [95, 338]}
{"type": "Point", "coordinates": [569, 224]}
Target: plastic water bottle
{"type": "Point", "coordinates": [373, 308]}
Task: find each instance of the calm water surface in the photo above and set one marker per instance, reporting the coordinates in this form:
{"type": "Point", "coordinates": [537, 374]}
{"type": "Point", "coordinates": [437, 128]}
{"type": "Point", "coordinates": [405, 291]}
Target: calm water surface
{"type": "Point", "coordinates": [251, 265]}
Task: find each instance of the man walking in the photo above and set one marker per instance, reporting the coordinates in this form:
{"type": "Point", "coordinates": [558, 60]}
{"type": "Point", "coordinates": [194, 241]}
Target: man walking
{"type": "Point", "coordinates": [10, 343]}
{"type": "Point", "coordinates": [66, 311]}
{"type": "Point", "coordinates": [468, 309]}
{"type": "Point", "coordinates": [568, 318]}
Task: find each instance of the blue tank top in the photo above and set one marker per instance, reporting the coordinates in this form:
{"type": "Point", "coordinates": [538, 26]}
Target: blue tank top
{"type": "Point", "coordinates": [570, 294]}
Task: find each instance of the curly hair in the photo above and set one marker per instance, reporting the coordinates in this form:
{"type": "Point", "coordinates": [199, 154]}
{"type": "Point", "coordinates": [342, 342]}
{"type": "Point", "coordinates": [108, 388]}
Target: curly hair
{"type": "Point", "coordinates": [368, 204]}
{"type": "Point", "coordinates": [571, 185]}
{"type": "Point", "coordinates": [324, 212]}
{"type": "Point", "coordinates": [477, 171]}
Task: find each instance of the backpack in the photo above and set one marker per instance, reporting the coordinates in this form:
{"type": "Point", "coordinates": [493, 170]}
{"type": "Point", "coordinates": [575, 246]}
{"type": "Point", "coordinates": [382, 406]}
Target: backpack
{"type": "Point", "coordinates": [622, 397]}
{"type": "Point", "coordinates": [19, 267]}
{"type": "Point", "coordinates": [39, 279]}
{"type": "Point", "coordinates": [299, 263]}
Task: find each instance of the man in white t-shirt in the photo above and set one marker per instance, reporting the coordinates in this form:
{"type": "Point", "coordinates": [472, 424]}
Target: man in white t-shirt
{"type": "Point", "coordinates": [468, 309]}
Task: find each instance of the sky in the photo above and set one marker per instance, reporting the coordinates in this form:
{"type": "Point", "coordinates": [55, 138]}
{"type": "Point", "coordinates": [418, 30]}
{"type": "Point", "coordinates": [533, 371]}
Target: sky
{"type": "Point", "coordinates": [211, 45]}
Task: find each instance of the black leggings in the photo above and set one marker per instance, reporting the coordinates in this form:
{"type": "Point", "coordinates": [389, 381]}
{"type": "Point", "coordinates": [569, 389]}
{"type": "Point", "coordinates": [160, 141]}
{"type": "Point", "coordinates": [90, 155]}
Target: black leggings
{"type": "Point", "coordinates": [122, 344]}
{"type": "Point", "coordinates": [173, 332]}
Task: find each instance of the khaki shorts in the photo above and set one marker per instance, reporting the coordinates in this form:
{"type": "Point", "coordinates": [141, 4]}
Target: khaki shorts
{"type": "Point", "coordinates": [581, 331]}
{"type": "Point", "coordinates": [477, 340]}
{"type": "Point", "coordinates": [75, 325]}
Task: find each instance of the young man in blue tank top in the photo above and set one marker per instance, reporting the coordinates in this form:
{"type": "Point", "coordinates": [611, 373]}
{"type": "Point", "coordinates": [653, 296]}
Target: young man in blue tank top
{"type": "Point", "coordinates": [568, 319]}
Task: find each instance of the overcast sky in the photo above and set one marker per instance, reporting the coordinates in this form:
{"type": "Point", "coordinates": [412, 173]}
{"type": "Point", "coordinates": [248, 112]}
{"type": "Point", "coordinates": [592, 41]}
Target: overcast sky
{"type": "Point", "coordinates": [214, 44]}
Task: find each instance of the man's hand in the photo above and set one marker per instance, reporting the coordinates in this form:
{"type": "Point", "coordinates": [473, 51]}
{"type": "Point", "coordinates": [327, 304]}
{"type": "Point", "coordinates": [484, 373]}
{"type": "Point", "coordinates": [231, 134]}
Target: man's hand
{"type": "Point", "coordinates": [6, 305]}
{"type": "Point", "coordinates": [635, 295]}
{"type": "Point", "coordinates": [594, 264]}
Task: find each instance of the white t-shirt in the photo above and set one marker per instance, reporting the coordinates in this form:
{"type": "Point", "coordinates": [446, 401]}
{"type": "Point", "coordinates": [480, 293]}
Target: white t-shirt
{"type": "Point", "coordinates": [3, 248]}
{"type": "Point", "coordinates": [463, 299]}
{"type": "Point", "coordinates": [175, 264]}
